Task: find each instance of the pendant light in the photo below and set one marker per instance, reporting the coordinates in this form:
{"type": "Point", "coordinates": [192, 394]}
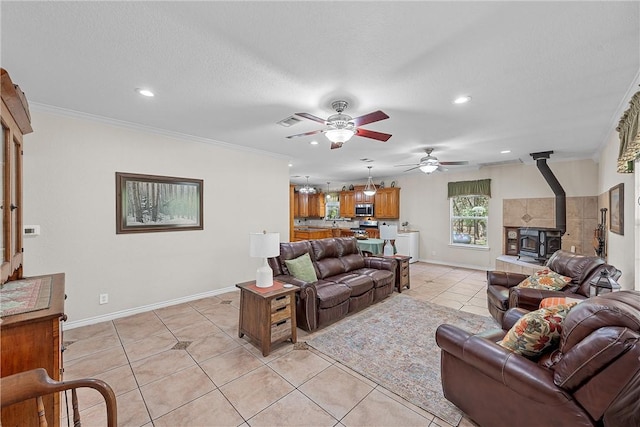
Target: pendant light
{"type": "Point", "coordinates": [306, 189]}
{"type": "Point", "coordinates": [327, 196]}
{"type": "Point", "coordinates": [370, 188]}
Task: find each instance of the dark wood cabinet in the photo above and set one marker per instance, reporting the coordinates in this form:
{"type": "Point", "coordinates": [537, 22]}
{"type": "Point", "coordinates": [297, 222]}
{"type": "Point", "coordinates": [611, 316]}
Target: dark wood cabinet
{"type": "Point", "coordinates": [33, 340]}
{"type": "Point", "coordinates": [16, 122]}
{"type": "Point", "coordinates": [360, 197]}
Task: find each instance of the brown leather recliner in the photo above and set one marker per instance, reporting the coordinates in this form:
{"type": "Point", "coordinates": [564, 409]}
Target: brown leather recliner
{"type": "Point", "coordinates": [591, 379]}
{"type": "Point", "coordinates": [502, 293]}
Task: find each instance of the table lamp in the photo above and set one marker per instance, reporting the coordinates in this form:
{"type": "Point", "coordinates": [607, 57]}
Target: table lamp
{"type": "Point", "coordinates": [388, 233]}
{"type": "Point", "coordinates": [264, 245]}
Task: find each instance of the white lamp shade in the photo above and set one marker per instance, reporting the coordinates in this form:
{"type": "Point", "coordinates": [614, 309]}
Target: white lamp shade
{"type": "Point", "coordinates": [339, 135]}
{"type": "Point", "coordinates": [388, 232]}
{"type": "Point", "coordinates": [428, 168]}
{"type": "Point", "coordinates": [264, 245]}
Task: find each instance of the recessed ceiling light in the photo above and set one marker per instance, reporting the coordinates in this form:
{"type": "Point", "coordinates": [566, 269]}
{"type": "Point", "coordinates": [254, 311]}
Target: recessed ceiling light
{"type": "Point", "coordinates": [145, 92]}
{"type": "Point", "coordinates": [505, 151]}
{"type": "Point", "coordinates": [314, 142]}
{"type": "Point", "coordinates": [462, 100]}
{"type": "Point", "coordinates": [290, 164]}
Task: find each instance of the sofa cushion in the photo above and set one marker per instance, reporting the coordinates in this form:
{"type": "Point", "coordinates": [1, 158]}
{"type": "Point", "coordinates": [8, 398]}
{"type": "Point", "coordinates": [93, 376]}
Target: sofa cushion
{"type": "Point", "coordinates": [292, 250]}
{"type": "Point", "coordinates": [331, 294]}
{"type": "Point", "coordinates": [545, 279]}
{"type": "Point", "coordinates": [358, 283]}
{"type": "Point", "coordinates": [536, 331]}
{"type": "Point", "coordinates": [380, 277]}
{"type": "Point", "coordinates": [352, 261]}
{"type": "Point", "coordinates": [302, 268]}
{"type": "Point", "coordinates": [573, 265]}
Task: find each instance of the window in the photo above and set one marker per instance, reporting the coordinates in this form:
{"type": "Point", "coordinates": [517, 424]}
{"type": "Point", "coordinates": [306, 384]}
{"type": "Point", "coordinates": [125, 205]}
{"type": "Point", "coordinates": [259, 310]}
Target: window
{"type": "Point", "coordinates": [469, 220]}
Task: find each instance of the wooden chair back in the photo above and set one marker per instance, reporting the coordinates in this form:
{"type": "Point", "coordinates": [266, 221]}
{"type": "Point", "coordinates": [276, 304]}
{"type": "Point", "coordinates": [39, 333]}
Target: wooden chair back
{"type": "Point", "coordinates": [36, 383]}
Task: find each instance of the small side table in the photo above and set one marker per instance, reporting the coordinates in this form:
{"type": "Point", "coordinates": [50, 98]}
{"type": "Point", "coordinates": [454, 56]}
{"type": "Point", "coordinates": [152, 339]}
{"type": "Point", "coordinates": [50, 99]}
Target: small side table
{"type": "Point", "coordinates": [402, 271]}
{"type": "Point", "coordinates": [267, 315]}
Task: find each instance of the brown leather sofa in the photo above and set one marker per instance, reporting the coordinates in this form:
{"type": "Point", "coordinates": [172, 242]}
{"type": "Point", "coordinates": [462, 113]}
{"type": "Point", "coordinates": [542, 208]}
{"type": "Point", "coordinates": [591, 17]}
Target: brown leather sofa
{"type": "Point", "coordinates": [502, 293]}
{"type": "Point", "coordinates": [347, 281]}
{"type": "Point", "coordinates": [591, 379]}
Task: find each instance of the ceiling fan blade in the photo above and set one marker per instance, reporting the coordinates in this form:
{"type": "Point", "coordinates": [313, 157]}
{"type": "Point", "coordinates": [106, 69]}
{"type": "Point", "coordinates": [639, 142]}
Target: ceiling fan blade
{"type": "Point", "coordinates": [464, 162]}
{"type": "Point", "coordinates": [441, 169]}
{"type": "Point", "coordinates": [313, 132]}
{"type": "Point", "coordinates": [335, 145]}
{"type": "Point", "coordinates": [412, 169]}
{"type": "Point", "coordinates": [410, 164]}
{"type": "Point", "coordinates": [376, 116]}
{"type": "Point", "coordinates": [373, 134]}
{"type": "Point", "coordinates": [312, 117]}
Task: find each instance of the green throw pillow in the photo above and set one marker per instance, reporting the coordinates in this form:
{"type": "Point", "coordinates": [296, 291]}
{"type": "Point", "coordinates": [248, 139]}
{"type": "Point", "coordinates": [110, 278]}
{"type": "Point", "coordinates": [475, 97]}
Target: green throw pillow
{"type": "Point", "coordinates": [302, 268]}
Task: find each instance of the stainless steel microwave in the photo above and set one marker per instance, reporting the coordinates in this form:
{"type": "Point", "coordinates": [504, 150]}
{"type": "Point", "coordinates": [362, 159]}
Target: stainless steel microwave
{"type": "Point", "coordinates": [365, 209]}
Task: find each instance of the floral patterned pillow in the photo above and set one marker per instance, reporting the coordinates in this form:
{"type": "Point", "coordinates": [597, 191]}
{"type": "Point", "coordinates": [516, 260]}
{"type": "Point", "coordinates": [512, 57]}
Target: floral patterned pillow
{"type": "Point", "coordinates": [536, 331]}
{"type": "Point", "coordinates": [545, 279]}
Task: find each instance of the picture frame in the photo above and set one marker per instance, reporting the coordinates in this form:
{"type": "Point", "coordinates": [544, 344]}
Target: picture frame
{"type": "Point", "coordinates": [152, 203]}
{"type": "Point", "coordinates": [616, 209]}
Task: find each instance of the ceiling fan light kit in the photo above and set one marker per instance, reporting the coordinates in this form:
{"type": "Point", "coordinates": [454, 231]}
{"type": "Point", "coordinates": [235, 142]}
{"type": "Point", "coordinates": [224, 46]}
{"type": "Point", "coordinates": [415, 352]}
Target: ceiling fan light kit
{"type": "Point", "coordinates": [430, 164]}
{"type": "Point", "coordinates": [429, 168]}
{"type": "Point", "coordinates": [342, 126]}
{"type": "Point", "coordinates": [370, 188]}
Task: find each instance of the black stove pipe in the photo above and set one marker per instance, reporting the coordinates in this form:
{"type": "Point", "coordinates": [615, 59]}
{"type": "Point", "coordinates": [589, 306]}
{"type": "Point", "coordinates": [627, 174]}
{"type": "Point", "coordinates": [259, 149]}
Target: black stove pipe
{"type": "Point", "coordinates": [561, 202]}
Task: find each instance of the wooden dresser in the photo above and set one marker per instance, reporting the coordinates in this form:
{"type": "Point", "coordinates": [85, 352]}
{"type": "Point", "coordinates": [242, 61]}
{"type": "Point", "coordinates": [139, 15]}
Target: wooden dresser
{"type": "Point", "coordinates": [34, 340]}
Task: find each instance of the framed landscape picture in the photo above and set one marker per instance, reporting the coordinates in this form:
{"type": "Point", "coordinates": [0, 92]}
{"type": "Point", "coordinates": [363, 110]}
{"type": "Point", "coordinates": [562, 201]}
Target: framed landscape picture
{"type": "Point", "coordinates": [148, 203]}
{"type": "Point", "coordinates": [616, 209]}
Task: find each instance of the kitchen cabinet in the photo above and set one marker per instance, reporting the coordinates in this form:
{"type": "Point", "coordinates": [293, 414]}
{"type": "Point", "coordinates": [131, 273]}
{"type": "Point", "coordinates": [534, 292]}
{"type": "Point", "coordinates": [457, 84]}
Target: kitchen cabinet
{"type": "Point", "coordinates": [308, 205]}
{"type": "Point", "coordinates": [311, 234]}
{"type": "Point", "coordinates": [347, 204]}
{"type": "Point", "coordinates": [387, 203]}
{"type": "Point", "coordinates": [373, 233]}
{"type": "Point", "coordinates": [16, 122]}
{"type": "Point", "coordinates": [360, 197]}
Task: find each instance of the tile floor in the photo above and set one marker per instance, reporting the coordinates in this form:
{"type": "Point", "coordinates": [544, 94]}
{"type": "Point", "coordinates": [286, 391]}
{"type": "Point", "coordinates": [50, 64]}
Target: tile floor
{"type": "Point", "coordinates": [222, 380]}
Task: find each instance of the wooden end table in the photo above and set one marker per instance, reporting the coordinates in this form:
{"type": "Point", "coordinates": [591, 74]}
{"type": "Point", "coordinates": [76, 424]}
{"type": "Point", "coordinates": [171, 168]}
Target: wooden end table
{"type": "Point", "coordinates": [267, 315]}
{"type": "Point", "coordinates": [402, 271]}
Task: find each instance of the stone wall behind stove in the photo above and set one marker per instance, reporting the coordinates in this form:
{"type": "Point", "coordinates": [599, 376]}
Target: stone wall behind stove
{"type": "Point", "coordinates": [582, 218]}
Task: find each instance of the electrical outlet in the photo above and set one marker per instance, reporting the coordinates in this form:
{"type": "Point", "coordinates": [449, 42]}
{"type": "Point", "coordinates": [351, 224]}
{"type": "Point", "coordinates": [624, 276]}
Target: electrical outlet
{"type": "Point", "coordinates": [104, 298]}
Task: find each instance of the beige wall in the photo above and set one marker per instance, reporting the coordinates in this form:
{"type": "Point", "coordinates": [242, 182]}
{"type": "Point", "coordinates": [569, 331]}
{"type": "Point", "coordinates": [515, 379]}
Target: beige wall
{"type": "Point", "coordinates": [424, 203]}
{"type": "Point", "coordinates": [69, 180]}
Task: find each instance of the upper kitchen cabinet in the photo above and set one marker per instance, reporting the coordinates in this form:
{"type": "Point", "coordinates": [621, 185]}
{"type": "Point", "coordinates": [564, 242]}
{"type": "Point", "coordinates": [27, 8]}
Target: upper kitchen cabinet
{"type": "Point", "coordinates": [308, 205]}
{"type": "Point", "coordinates": [387, 203]}
{"type": "Point", "coordinates": [360, 197]}
{"type": "Point", "coordinates": [347, 204]}
{"type": "Point", "coordinates": [16, 122]}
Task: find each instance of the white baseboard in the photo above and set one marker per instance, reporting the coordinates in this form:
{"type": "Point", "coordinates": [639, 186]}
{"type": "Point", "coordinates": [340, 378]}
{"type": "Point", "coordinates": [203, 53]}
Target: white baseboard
{"type": "Point", "coordinates": [131, 311]}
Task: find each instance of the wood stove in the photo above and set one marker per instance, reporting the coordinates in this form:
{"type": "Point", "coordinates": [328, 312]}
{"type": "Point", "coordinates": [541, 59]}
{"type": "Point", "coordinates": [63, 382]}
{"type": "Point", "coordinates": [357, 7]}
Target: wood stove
{"type": "Point", "coordinates": [539, 243]}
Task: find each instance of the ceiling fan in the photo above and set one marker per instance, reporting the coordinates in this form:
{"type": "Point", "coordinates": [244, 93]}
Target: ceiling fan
{"type": "Point", "coordinates": [342, 126]}
{"type": "Point", "coordinates": [431, 163]}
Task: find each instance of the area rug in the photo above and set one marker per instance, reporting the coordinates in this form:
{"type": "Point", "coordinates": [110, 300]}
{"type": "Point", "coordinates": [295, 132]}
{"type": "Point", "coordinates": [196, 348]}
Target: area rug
{"type": "Point", "coordinates": [393, 343]}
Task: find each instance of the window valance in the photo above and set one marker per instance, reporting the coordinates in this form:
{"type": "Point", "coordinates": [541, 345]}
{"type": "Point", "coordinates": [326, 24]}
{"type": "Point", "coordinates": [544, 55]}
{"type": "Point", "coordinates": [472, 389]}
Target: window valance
{"type": "Point", "coordinates": [481, 187]}
{"type": "Point", "coordinates": [629, 136]}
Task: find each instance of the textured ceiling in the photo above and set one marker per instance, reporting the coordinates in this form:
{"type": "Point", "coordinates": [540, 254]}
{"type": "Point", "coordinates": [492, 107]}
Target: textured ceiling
{"type": "Point", "coordinates": [543, 75]}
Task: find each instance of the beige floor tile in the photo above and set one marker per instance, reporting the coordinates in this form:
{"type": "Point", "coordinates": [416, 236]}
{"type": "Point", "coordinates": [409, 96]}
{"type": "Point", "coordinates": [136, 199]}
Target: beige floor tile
{"type": "Point", "coordinates": [298, 366]}
{"type": "Point", "coordinates": [179, 322]}
{"type": "Point", "coordinates": [479, 301]}
{"type": "Point", "coordinates": [175, 390]}
{"type": "Point", "coordinates": [212, 409]}
{"type": "Point", "coordinates": [336, 391]}
{"type": "Point", "coordinates": [482, 311]}
{"type": "Point", "coordinates": [355, 374]}
{"type": "Point", "coordinates": [468, 292]}
{"type": "Point", "coordinates": [210, 346]}
{"type": "Point", "coordinates": [95, 364]}
{"type": "Point", "coordinates": [380, 410]}
{"type": "Point", "coordinates": [160, 365]}
{"type": "Point", "coordinates": [253, 392]}
{"type": "Point", "coordinates": [426, 414]}
{"type": "Point", "coordinates": [277, 350]}
{"type": "Point", "coordinates": [447, 302]}
{"type": "Point", "coordinates": [91, 331]}
{"type": "Point", "coordinates": [295, 409]}
{"type": "Point", "coordinates": [454, 296]}
{"type": "Point", "coordinates": [204, 303]}
{"type": "Point", "coordinates": [121, 380]}
{"type": "Point", "coordinates": [91, 345]}
{"type": "Point", "coordinates": [197, 330]}
{"type": "Point", "coordinates": [149, 346]}
{"type": "Point", "coordinates": [178, 310]}
{"type": "Point", "coordinates": [140, 326]}
{"type": "Point", "coordinates": [228, 366]}
{"type": "Point", "coordinates": [467, 422]}
{"type": "Point", "coordinates": [130, 408]}
{"type": "Point", "coordinates": [437, 422]}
